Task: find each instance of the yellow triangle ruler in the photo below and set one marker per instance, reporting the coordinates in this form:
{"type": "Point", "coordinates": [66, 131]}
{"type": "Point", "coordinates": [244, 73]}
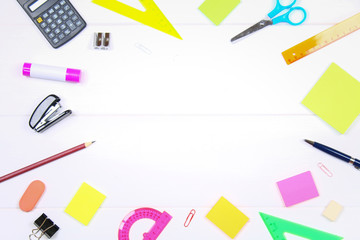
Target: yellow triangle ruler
{"type": "Point", "coordinates": [152, 17]}
{"type": "Point", "coordinates": [322, 39]}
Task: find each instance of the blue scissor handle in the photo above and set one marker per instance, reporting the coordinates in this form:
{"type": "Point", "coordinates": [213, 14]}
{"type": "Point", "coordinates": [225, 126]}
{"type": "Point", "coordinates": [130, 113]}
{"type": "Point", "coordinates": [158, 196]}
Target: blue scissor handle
{"type": "Point", "coordinates": [279, 8]}
{"type": "Point", "coordinates": [285, 17]}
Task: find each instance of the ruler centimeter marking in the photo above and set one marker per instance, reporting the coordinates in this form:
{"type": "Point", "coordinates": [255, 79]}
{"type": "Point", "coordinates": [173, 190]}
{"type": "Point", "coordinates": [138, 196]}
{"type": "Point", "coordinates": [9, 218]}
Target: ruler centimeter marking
{"type": "Point", "coordinates": [322, 39]}
{"type": "Point", "coordinates": [161, 220]}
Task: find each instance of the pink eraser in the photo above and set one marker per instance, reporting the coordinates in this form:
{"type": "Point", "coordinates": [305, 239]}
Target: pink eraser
{"type": "Point", "coordinates": [31, 196]}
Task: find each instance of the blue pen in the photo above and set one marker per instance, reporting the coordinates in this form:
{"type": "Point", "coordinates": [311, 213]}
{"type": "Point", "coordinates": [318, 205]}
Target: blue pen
{"type": "Point", "coordinates": [353, 161]}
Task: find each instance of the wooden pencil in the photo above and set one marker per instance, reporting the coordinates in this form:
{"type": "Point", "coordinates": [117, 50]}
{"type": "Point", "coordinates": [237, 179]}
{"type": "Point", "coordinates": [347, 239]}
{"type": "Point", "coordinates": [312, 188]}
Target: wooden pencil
{"type": "Point", "coordinates": [45, 161]}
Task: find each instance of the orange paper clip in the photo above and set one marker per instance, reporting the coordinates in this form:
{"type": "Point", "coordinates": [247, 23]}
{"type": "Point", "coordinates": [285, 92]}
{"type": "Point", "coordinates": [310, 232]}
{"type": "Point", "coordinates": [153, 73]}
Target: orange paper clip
{"type": "Point", "coordinates": [325, 169]}
{"type": "Point", "coordinates": [189, 218]}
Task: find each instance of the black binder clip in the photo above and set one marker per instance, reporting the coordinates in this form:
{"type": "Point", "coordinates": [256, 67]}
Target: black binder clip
{"type": "Point", "coordinates": [45, 226]}
{"type": "Point", "coordinates": [47, 114]}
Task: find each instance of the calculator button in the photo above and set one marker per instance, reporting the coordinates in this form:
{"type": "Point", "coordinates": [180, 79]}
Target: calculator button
{"type": "Point", "coordinates": [71, 25]}
{"type": "Point", "coordinates": [43, 25]}
{"type": "Point", "coordinates": [45, 15]}
{"type": "Point", "coordinates": [58, 22]}
{"type": "Point", "coordinates": [57, 6]}
{"type": "Point", "coordinates": [53, 25]}
{"type": "Point", "coordinates": [55, 16]}
{"type": "Point", "coordinates": [47, 30]}
{"type": "Point", "coordinates": [39, 19]}
{"type": "Point", "coordinates": [71, 12]}
{"type": "Point", "coordinates": [66, 7]}
{"type": "Point", "coordinates": [64, 17]}
{"type": "Point", "coordinates": [51, 11]}
{"type": "Point", "coordinates": [57, 31]}
{"type": "Point", "coordinates": [74, 18]}
{"type": "Point", "coordinates": [62, 2]}
{"type": "Point", "coordinates": [49, 20]}
{"type": "Point", "coordinates": [61, 36]}
{"type": "Point", "coordinates": [51, 35]}
{"type": "Point", "coordinates": [67, 32]}
{"type": "Point", "coordinates": [62, 26]}
{"type": "Point", "coordinates": [78, 23]}
{"type": "Point", "coordinates": [55, 40]}
{"type": "Point", "coordinates": [61, 12]}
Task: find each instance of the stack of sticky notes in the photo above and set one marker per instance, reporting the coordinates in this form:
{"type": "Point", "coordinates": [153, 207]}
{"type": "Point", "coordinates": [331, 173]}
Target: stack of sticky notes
{"type": "Point", "coordinates": [335, 98]}
{"type": "Point", "coordinates": [227, 217]}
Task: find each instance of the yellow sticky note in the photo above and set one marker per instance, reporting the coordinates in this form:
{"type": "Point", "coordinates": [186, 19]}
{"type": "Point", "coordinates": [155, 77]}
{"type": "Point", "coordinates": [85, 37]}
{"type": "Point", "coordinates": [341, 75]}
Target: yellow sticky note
{"type": "Point", "coordinates": [335, 98]}
{"type": "Point", "coordinates": [85, 203]}
{"type": "Point", "coordinates": [227, 217]}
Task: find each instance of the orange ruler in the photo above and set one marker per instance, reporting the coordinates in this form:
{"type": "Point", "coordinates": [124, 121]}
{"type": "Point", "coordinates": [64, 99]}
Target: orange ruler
{"type": "Point", "coordinates": [322, 39]}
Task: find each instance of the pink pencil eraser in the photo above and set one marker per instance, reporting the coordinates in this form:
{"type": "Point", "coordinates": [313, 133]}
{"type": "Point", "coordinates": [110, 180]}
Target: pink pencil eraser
{"type": "Point", "coordinates": [31, 196]}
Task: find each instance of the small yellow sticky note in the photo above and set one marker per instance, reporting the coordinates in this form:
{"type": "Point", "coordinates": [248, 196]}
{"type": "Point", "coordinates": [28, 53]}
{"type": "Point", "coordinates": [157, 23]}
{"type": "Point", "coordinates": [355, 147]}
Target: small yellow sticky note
{"type": "Point", "coordinates": [85, 203]}
{"type": "Point", "coordinates": [332, 211]}
{"type": "Point", "coordinates": [335, 98]}
{"type": "Point", "coordinates": [227, 217]}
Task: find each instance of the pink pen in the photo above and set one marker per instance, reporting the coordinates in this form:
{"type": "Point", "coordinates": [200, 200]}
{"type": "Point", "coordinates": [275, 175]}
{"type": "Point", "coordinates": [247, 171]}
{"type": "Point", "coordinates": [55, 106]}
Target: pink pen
{"type": "Point", "coordinates": [51, 72]}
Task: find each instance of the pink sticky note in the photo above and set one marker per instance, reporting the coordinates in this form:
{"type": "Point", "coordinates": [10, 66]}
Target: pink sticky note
{"type": "Point", "coordinates": [298, 189]}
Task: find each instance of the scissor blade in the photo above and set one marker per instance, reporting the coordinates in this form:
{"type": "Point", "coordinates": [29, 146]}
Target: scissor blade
{"type": "Point", "coordinates": [254, 28]}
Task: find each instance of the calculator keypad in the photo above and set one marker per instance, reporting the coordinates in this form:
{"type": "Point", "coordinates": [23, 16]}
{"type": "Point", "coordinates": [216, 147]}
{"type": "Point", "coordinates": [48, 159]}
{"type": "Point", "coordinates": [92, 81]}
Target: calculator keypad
{"type": "Point", "coordinates": [60, 21]}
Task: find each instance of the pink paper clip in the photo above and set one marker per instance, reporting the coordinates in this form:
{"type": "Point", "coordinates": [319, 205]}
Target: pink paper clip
{"type": "Point", "coordinates": [325, 169]}
{"type": "Point", "coordinates": [189, 218]}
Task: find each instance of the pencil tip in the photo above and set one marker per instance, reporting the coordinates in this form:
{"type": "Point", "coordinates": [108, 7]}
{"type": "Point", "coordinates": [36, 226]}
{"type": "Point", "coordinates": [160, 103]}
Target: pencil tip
{"type": "Point", "coordinates": [89, 143]}
{"type": "Point", "coordinates": [309, 142]}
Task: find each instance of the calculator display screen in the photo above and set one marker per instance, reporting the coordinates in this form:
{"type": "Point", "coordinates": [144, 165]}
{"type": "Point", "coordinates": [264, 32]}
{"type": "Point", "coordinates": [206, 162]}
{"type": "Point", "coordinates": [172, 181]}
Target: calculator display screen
{"type": "Point", "coordinates": [35, 5]}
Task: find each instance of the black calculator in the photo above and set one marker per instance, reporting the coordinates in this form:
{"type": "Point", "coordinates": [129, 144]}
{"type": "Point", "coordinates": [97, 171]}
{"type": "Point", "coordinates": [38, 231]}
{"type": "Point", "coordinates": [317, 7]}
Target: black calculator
{"type": "Point", "coordinates": [57, 20]}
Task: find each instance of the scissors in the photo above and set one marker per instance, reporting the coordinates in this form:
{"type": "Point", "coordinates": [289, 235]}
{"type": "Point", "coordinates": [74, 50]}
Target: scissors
{"type": "Point", "coordinates": [270, 20]}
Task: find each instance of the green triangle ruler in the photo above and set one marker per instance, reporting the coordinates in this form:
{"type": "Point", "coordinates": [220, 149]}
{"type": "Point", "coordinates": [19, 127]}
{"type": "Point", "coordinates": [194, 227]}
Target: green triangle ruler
{"type": "Point", "coordinates": [277, 227]}
{"type": "Point", "coordinates": [152, 16]}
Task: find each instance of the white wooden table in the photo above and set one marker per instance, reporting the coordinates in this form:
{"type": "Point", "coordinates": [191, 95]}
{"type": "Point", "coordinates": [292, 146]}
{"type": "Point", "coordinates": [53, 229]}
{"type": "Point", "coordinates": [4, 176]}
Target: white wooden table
{"type": "Point", "coordinates": [176, 129]}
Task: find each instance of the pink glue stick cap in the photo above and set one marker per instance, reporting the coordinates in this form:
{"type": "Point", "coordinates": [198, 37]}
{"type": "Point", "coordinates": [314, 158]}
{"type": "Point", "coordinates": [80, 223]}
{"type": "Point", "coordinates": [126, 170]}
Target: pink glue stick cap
{"type": "Point", "coordinates": [26, 69]}
{"type": "Point", "coordinates": [73, 75]}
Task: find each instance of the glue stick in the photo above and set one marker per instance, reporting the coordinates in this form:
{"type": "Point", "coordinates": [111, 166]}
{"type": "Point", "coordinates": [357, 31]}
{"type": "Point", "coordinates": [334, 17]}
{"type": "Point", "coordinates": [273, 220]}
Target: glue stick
{"type": "Point", "coordinates": [51, 72]}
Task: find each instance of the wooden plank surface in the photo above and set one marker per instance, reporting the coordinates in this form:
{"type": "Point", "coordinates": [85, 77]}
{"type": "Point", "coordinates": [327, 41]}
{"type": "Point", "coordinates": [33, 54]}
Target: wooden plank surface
{"type": "Point", "coordinates": [180, 127]}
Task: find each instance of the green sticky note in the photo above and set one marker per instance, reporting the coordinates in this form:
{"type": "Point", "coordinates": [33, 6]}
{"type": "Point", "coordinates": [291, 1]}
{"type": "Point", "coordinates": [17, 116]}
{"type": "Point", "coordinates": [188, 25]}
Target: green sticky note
{"type": "Point", "coordinates": [218, 10]}
{"type": "Point", "coordinates": [85, 203]}
{"type": "Point", "coordinates": [335, 98]}
{"type": "Point", "coordinates": [227, 217]}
